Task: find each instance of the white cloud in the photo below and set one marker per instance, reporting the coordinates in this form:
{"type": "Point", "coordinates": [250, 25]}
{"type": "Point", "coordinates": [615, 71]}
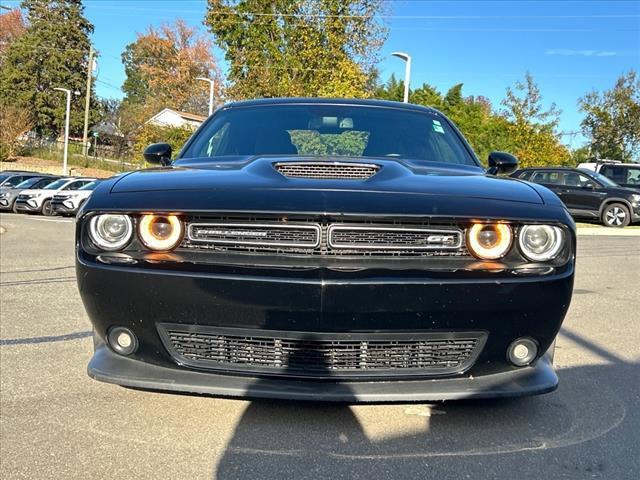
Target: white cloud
{"type": "Point", "coordinates": [580, 53]}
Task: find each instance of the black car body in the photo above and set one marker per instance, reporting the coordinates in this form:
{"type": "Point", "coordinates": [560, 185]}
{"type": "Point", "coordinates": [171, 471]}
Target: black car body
{"type": "Point", "coordinates": [259, 265]}
{"type": "Point", "coordinates": [588, 194]}
{"type": "Point", "coordinates": [8, 194]}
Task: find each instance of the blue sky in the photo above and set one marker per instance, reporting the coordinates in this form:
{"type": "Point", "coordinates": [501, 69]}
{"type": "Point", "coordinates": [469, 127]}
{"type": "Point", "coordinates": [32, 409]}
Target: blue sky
{"type": "Point", "coordinates": [570, 47]}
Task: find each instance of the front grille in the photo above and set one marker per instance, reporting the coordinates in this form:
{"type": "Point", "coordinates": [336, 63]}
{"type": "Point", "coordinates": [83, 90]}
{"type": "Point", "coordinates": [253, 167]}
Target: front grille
{"type": "Point", "coordinates": [322, 354]}
{"type": "Point", "coordinates": [385, 238]}
{"type": "Point", "coordinates": [327, 170]}
{"type": "Point", "coordinates": [255, 234]}
{"type": "Point", "coordinates": [324, 238]}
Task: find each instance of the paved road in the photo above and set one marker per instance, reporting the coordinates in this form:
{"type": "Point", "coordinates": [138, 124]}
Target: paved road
{"type": "Point", "coordinates": [57, 423]}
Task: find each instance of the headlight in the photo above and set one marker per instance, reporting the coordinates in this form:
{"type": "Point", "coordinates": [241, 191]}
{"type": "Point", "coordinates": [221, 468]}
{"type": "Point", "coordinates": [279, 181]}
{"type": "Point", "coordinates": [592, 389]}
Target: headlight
{"type": "Point", "coordinates": [160, 232]}
{"type": "Point", "coordinates": [634, 198]}
{"type": "Point", "coordinates": [110, 231]}
{"type": "Point", "coordinates": [540, 243]}
{"type": "Point", "coordinates": [4, 194]}
{"type": "Point", "coordinates": [489, 241]}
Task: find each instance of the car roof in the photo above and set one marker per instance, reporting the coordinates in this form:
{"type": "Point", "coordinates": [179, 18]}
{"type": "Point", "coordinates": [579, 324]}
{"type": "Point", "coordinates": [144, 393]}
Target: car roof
{"type": "Point", "coordinates": [623, 165]}
{"type": "Point", "coordinates": [329, 101]}
{"type": "Point", "coordinates": [551, 168]}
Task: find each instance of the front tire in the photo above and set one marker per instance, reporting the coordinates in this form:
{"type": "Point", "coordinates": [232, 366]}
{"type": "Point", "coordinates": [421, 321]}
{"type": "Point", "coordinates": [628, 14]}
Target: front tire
{"type": "Point", "coordinates": [47, 209]}
{"type": "Point", "coordinates": [616, 215]}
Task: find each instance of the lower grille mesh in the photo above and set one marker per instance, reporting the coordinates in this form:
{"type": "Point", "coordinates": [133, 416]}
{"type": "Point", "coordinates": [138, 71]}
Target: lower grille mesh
{"type": "Point", "coordinates": [371, 354]}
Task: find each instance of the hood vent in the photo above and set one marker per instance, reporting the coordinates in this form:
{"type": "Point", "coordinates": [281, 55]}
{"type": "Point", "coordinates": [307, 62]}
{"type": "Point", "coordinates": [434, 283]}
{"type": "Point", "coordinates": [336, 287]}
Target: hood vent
{"type": "Point", "coordinates": [327, 170]}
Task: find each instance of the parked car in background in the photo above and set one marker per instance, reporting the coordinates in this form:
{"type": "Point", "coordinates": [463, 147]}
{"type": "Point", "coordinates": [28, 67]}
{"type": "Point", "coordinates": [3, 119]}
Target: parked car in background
{"type": "Point", "coordinates": [588, 194]}
{"type": "Point", "coordinates": [68, 202]}
{"type": "Point", "coordinates": [624, 174]}
{"type": "Point", "coordinates": [11, 178]}
{"type": "Point", "coordinates": [8, 194]}
{"type": "Point", "coordinates": [39, 200]}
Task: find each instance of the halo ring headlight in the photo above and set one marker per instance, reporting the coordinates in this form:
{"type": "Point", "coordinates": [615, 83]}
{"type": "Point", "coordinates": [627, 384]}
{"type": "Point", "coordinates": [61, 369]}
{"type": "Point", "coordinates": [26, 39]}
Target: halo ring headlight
{"type": "Point", "coordinates": [160, 233]}
{"type": "Point", "coordinates": [540, 243]}
{"type": "Point", "coordinates": [489, 241]}
{"type": "Point", "coordinates": [110, 232]}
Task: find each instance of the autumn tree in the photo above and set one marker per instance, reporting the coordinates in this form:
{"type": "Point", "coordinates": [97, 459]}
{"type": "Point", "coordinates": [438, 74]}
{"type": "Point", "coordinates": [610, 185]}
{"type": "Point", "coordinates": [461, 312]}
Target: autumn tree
{"type": "Point", "coordinates": [612, 119]}
{"type": "Point", "coordinates": [532, 129]}
{"type": "Point", "coordinates": [292, 48]}
{"type": "Point", "coordinates": [15, 122]}
{"type": "Point", "coordinates": [162, 66]}
{"type": "Point", "coordinates": [12, 26]}
{"type": "Point", "coordinates": [52, 52]}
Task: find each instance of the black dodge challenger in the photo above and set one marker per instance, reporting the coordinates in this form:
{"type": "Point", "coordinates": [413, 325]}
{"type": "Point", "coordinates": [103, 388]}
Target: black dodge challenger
{"type": "Point", "coordinates": [326, 250]}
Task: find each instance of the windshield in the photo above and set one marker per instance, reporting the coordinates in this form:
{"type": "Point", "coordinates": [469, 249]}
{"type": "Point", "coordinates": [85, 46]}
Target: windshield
{"type": "Point", "coordinates": [28, 183]}
{"type": "Point", "coordinates": [329, 130]}
{"type": "Point", "coordinates": [3, 177]}
{"type": "Point", "coordinates": [89, 186]}
{"type": "Point", "coordinates": [607, 182]}
{"type": "Point", "coordinates": [56, 185]}
{"type": "Point", "coordinates": [12, 180]}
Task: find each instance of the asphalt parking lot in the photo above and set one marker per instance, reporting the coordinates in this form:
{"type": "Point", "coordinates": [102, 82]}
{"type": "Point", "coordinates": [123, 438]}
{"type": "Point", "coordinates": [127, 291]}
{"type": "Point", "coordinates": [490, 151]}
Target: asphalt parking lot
{"type": "Point", "coordinates": [55, 422]}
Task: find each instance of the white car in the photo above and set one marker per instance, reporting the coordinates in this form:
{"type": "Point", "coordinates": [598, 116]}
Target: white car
{"type": "Point", "coordinates": [40, 200]}
{"type": "Point", "coordinates": [68, 202]}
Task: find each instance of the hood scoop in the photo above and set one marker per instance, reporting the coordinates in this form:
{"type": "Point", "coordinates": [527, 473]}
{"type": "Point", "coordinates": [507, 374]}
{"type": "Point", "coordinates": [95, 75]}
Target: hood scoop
{"type": "Point", "coordinates": [327, 170]}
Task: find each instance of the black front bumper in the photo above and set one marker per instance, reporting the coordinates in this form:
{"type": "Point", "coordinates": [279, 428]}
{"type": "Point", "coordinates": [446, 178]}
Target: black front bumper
{"type": "Point", "coordinates": [505, 307]}
{"type": "Point", "coordinates": [109, 367]}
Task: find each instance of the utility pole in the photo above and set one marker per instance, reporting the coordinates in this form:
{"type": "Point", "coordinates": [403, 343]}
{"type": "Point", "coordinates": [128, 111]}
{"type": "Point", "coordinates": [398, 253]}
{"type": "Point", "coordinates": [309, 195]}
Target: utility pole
{"type": "Point", "coordinates": [87, 101]}
{"type": "Point", "coordinates": [66, 129]}
{"type": "Point", "coordinates": [210, 92]}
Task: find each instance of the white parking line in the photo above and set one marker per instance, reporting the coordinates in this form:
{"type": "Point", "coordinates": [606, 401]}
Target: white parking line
{"type": "Point", "coordinates": [56, 220]}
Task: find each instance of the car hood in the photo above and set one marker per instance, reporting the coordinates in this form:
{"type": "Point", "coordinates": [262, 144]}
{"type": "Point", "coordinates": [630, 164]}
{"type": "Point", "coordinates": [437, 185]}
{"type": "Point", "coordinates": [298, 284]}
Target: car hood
{"type": "Point", "coordinates": [37, 190]}
{"type": "Point", "coordinates": [394, 176]}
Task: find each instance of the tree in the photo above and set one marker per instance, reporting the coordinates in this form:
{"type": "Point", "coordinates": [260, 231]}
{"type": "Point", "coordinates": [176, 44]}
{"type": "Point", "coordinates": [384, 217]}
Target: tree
{"type": "Point", "coordinates": [174, 136]}
{"type": "Point", "coordinates": [11, 27]}
{"type": "Point", "coordinates": [393, 90]}
{"type": "Point", "coordinates": [612, 119]}
{"type": "Point", "coordinates": [14, 123]}
{"type": "Point", "coordinates": [52, 52]}
{"type": "Point", "coordinates": [292, 48]}
{"type": "Point", "coordinates": [532, 129]}
{"type": "Point", "coordinates": [162, 66]}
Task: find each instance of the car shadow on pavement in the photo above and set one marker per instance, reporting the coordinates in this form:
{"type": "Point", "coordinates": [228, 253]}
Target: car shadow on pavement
{"type": "Point", "coordinates": [292, 439]}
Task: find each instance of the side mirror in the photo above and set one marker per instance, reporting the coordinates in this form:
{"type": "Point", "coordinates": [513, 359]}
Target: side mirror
{"type": "Point", "coordinates": [502, 162]}
{"type": "Point", "coordinates": [159, 153]}
{"type": "Point", "coordinates": [589, 185]}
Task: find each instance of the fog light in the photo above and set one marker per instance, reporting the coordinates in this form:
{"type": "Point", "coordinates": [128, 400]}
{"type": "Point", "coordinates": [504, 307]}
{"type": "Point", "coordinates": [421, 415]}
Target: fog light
{"type": "Point", "coordinates": [122, 340]}
{"type": "Point", "coordinates": [522, 351]}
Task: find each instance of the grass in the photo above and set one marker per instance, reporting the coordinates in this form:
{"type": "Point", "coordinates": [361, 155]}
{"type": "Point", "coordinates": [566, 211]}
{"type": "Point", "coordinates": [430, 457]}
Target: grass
{"type": "Point", "coordinates": [76, 158]}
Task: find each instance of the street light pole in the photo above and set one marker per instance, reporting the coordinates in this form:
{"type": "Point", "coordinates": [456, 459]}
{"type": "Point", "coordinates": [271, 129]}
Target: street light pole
{"type": "Point", "coordinates": [407, 72]}
{"type": "Point", "coordinates": [210, 92]}
{"type": "Point", "coordinates": [66, 129]}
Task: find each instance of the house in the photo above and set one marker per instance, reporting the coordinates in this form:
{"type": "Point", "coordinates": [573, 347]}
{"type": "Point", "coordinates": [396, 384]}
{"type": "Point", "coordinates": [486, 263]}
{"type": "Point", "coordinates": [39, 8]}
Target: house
{"type": "Point", "coordinates": [174, 118]}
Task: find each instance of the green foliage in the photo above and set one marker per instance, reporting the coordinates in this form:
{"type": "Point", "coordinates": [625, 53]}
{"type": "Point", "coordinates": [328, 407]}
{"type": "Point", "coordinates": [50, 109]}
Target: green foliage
{"type": "Point", "coordinates": [309, 142]}
{"type": "Point", "coordinates": [532, 128]}
{"type": "Point", "coordinates": [52, 52]}
{"type": "Point", "coordinates": [612, 119]}
{"type": "Point", "coordinates": [148, 134]}
{"type": "Point", "coordinates": [279, 48]}
{"type": "Point", "coordinates": [525, 128]}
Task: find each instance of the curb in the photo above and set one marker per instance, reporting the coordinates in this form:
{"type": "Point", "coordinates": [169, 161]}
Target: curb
{"type": "Point", "coordinates": [609, 232]}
